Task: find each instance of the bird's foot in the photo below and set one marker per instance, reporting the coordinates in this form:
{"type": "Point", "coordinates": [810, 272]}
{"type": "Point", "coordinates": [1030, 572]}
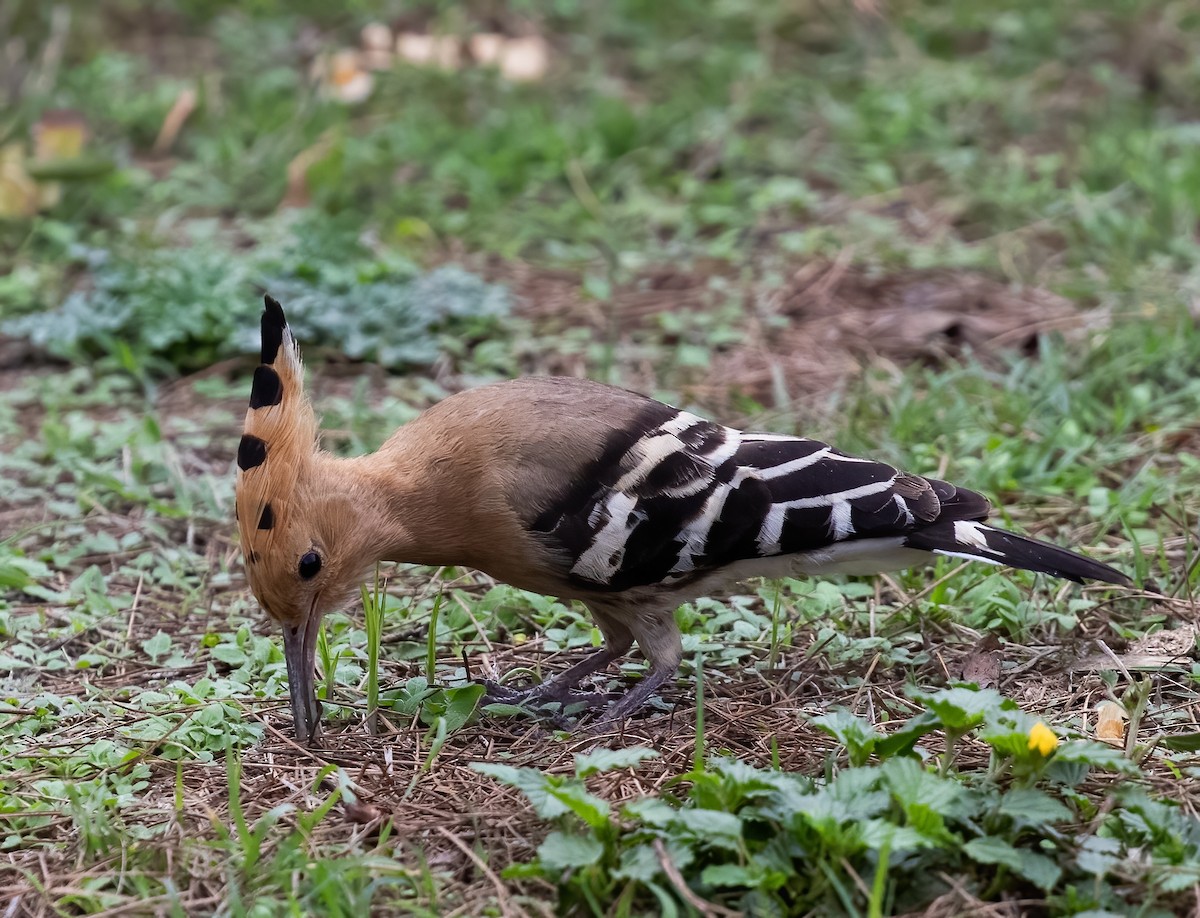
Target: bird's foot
{"type": "Point", "coordinates": [495, 693]}
{"type": "Point", "coordinates": [535, 698]}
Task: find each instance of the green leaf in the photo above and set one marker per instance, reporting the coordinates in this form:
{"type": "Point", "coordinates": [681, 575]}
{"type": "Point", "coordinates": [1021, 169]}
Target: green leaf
{"type": "Point", "coordinates": [1098, 855]}
{"type": "Point", "coordinates": [1029, 807]}
{"type": "Point", "coordinates": [901, 741]}
{"type": "Point", "coordinates": [501, 709]}
{"type": "Point", "coordinates": [911, 783]}
{"type": "Point", "coordinates": [1007, 741]}
{"type": "Point", "coordinates": [991, 850]}
{"type": "Point", "coordinates": [712, 826]}
{"type": "Point", "coordinates": [708, 826]}
{"type": "Point", "coordinates": [532, 783]}
{"type": "Point", "coordinates": [1036, 868]}
{"type": "Point", "coordinates": [749, 780]}
{"type": "Point", "coordinates": [852, 731]}
{"type": "Point", "coordinates": [1177, 877]}
{"type": "Point", "coordinates": [652, 811]}
{"type": "Point", "coordinates": [588, 807]}
{"type": "Point", "coordinates": [857, 793]}
{"type": "Point", "coordinates": [728, 875]}
{"type": "Point", "coordinates": [925, 797]}
{"type": "Point", "coordinates": [229, 653]}
{"type": "Point", "coordinates": [13, 577]}
{"type": "Point", "coordinates": [158, 646]}
{"type": "Point", "coordinates": [879, 834]}
{"type": "Point", "coordinates": [1008, 733]}
{"type": "Point", "coordinates": [1098, 755]}
{"type": "Point", "coordinates": [409, 698]}
{"type": "Point", "coordinates": [638, 863]}
{"type": "Point", "coordinates": [927, 821]}
{"type": "Point", "coordinates": [603, 760]}
{"type": "Point", "coordinates": [1184, 742]}
{"type": "Point", "coordinates": [564, 850]}
{"type": "Point", "coordinates": [962, 708]}
{"type": "Point", "coordinates": [460, 705]}
{"type": "Point", "coordinates": [1039, 870]}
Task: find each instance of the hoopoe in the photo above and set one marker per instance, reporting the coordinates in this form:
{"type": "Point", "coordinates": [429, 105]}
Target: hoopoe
{"type": "Point", "coordinates": [583, 491]}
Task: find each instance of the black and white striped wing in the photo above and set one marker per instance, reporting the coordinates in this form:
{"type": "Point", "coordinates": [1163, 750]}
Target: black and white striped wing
{"type": "Point", "coordinates": [678, 497]}
{"type": "Point", "coordinates": [688, 496]}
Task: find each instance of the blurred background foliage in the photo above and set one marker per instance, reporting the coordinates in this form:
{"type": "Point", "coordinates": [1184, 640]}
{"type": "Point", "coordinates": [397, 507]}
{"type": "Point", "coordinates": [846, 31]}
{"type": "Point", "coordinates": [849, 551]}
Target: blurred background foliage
{"type": "Point", "coordinates": [1048, 144]}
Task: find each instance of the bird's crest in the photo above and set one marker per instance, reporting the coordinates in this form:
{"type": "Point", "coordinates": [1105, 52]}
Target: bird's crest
{"type": "Point", "coordinates": [279, 442]}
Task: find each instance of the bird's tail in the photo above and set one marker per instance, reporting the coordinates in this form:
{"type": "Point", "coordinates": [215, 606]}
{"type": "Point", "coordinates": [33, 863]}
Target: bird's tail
{"type": "Point", "coordinates": [979, 542]}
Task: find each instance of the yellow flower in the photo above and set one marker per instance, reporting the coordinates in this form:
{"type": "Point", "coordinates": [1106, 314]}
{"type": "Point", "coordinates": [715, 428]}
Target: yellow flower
{"type": "Point", "coordinates": [1042, 739]}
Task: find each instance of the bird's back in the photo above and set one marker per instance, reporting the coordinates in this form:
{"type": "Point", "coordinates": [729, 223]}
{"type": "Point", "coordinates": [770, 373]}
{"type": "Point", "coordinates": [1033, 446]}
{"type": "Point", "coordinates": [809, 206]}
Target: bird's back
{"type": "Point", "coordinates": [626, 492]}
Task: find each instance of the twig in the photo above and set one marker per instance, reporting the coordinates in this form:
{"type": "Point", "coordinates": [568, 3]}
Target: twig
{"type": "Point", "coordinates": [703, 906]}
{"type": "Point", "coordinates": [52, 52]}
{"type": "Point", "coordinates": [583, 191]}
{"type": "Point", "coordinates": [1120, 663]}
{"type": "Point", "coordinates": [506, 907]}
{"type": "Point", "coordinates": [185, 104]}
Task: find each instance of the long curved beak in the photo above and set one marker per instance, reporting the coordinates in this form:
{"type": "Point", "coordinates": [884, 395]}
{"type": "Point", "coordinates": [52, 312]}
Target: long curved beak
{"type": "Point", "coordinates": [300, 652]}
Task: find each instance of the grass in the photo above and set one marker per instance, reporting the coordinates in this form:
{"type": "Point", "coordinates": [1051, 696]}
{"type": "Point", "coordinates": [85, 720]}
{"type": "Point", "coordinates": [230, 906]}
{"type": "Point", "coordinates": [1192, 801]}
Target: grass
{"type": "Point", "coordinates": [957, 238]}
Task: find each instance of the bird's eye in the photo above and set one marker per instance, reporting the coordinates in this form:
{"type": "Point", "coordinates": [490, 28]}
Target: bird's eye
{"type": "Point", "coordinates": [310, 564]}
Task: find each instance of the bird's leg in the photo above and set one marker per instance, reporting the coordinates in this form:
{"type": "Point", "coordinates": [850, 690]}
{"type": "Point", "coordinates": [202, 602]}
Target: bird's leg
{"type": "Point", "coordinates": [658, 637]}
{"type": "Point", "coordinates": [558, 688]}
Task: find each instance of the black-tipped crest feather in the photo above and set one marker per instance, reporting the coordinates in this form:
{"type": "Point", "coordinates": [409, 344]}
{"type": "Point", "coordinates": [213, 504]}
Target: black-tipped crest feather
{"type": "Point", "coordinates": [267, 388]}
{"type": "Point", "coordinates": [276, 454]}
{"type": "Point", "coordinates": [274, 326]}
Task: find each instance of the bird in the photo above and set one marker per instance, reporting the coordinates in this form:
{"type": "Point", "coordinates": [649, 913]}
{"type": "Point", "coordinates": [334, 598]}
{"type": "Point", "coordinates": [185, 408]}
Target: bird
{"type": "Point", "coordinates": [582, 491]}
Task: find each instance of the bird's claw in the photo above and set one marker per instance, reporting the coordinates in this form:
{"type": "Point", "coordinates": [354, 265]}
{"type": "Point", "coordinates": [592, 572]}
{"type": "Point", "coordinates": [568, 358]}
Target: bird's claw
{"type": "Point", "coordinates": [536, 698]}
{"type": "Point", "coordinates": [496, 693]}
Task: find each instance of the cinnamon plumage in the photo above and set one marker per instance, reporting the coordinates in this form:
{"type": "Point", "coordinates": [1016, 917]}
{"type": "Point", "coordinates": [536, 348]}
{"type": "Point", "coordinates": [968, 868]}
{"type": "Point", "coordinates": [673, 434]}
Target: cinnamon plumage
{"type": "Point", "coordinates": [581, 491]}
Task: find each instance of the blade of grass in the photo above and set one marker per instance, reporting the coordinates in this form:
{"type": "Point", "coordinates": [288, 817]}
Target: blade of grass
{"type": "Point", "coordinates": [440, 733]}
{"type": "Point", "coordinates": [373, 603]}
{"type": "Point", "coordinates": [431, 640]}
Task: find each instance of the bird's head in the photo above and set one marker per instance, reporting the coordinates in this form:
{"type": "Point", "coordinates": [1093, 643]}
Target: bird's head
{"type": "Point", "coordinates": [301, 531]}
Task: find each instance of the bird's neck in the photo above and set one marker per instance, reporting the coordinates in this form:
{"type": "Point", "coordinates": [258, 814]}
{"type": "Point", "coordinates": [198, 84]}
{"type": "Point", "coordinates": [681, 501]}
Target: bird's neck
{"type": "Point", "coordinates": [435, 500]}
{"type": "Point", "coordinates": [404, 510]}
